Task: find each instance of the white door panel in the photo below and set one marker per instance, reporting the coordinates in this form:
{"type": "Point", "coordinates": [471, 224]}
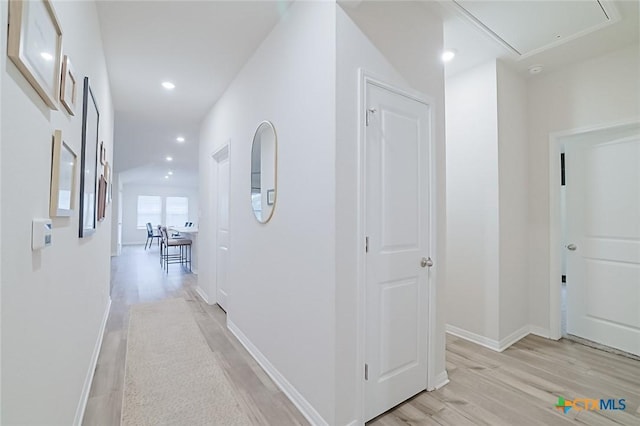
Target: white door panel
{"type": "Point", "coordinates": [603, 222]}
{"type": "Point", "coordinates": [397, 226]}
{"type": "Point", "coordinates": [400, 181]}
{"type": "Point", "coordinates": [399, 332]}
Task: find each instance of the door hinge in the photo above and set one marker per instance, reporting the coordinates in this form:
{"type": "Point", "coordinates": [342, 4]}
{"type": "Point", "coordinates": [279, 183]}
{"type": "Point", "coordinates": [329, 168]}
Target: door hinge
{"type": "Point", "coordinates": [366, 371]}
{"type": "Point", "coordinates": [368, 113]}
{"type": "Point", "coordinates": [366, 244]}
{"type": "Point", "coordinates": [563, 181]}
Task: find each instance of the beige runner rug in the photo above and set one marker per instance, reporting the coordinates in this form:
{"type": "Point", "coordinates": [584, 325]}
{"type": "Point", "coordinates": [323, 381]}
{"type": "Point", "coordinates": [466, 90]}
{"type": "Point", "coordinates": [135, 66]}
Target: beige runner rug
{"type": "Point", "coordinates": [171, 376]}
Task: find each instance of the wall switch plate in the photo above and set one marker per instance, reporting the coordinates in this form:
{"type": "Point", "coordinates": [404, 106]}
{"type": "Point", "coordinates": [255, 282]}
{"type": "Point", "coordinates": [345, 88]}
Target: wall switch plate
{"type": "Point", "coordinates": [40, 233]}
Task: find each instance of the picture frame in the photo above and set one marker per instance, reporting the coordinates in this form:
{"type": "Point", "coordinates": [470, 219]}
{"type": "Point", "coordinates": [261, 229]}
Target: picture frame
{"type": "Point", "coordinates": [271, 196]}
{"type": "Point", "coordinates": [63, 178]}
{"type": "Point", "coordinates": [102, 198]}
{"type": "Point", "coordinates": [88, 162]}
{"type": "Point", "coordinates": [103, 153]}
{"type": "Point", "coordinates": [68, 86]}
{"type": "Point", "coordinates": [109, 184]}
{"type": "Point", "coordinates": [34, 45]}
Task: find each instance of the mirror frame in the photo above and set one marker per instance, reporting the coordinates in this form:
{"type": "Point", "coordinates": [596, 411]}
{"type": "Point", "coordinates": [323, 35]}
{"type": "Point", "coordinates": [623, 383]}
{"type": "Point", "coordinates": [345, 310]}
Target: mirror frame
{"type": "Point", "coordinates": [270, 125]}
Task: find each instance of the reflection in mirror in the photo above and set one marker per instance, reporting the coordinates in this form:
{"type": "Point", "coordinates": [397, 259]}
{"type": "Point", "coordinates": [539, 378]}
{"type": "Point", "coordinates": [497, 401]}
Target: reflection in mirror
{"type": "Point", "coordinates": [264, 171]}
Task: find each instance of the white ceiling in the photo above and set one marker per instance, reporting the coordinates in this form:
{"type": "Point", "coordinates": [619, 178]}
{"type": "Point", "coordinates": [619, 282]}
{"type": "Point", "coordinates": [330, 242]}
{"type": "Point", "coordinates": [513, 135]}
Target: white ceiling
{"type": "Point", "coordinates": [142, 145]}
{"type": "Point", "coordinates": [527, 27]}
{"type": "Point", "coordinates": [532, 28]}
{"type": "Point", "coordinates": [199, 46]}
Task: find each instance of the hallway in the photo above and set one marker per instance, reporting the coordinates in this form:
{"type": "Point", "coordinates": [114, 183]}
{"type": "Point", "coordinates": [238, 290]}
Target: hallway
{"type": "Point", "coordinates": [519, 385]}
{"type": "Point", "coordinates": [137, 277]}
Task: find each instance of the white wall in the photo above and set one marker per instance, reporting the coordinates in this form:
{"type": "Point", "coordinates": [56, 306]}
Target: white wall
{"type": "Point", "coordinates": [513, 200]}
{"type": "Point", "coordinates": [596, 92]}
{"type": "Point", "coordinates": [282, 273]}
{"type": "Point", "coordinates": [401, 44]}
{"type": "Point", "coordinates": [487, 204]}
{"type": "Point", "coordinates": [54, 300]}
{"type": "Point", "coordinates": [297, 300]}
{"type": "Point", "coordinates": [472, 292]}
{"type": "Point", "coordinates": [130, 192]}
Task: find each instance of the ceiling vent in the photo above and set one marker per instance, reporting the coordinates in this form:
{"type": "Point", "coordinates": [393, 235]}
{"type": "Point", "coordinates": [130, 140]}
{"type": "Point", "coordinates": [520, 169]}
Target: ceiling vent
{"type": "Point", "coordinates": [530, 27]}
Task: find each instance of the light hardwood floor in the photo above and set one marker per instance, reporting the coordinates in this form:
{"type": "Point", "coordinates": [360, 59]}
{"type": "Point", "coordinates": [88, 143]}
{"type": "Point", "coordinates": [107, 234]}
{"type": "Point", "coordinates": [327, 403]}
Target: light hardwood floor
{"type": "Point", "coordinates": [517, 387]}
{"type": "Point", "coordinates": [137, 278]}
{"type": "Point", "coordinates": [521, 386]}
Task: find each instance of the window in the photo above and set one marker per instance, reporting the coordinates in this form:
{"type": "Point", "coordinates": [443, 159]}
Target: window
{"type": "Point", "coordinates": [177, 211]}
{"type": "Point", "coordinates": [149, 210]}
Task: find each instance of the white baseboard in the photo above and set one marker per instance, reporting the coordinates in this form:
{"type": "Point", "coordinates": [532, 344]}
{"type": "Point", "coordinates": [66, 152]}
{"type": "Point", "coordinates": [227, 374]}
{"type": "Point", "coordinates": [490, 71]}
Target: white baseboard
{"type": "Point", "coordinates": [440, 380]}
{"type": "Point", "coordinates": [203, 295]}
{"type": "Point", "coordinates": [514, 337]}
{"type": "Point", "coordinates": [353, 423]}
{"type": "Point", "coordinates": [492, 344]}
{"type": "Point", "coordinates": [292, 393]}
{"type": "Point", "coordinates": [84, 396]}
{"type": "Point", "coordinates": [473, 337]}
{"type": "Point", "coordinates": [539, 331]}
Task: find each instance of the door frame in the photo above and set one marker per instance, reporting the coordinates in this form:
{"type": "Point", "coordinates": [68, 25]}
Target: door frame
{"type": "Point", "coordinates": [556, 142]}
{"type": "Point", "coordinates": [220, 153]}
{"type": "Point", "coordinates": [365, 78]}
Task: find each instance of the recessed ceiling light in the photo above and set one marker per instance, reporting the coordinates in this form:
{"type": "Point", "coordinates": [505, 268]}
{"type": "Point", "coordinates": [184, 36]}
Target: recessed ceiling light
{"type": "Point", "coordinates": [166, 177]}
{"type": "Point", "coordinates": [448, 55]}
{"type": "Point", "coordinates": [168, 85]}
{"type": "Point", "coordinates": [47, 56]}
{"type": "Point", "coordinates": [180, 139]}
{"type": "Point", "coordinates": [169, 158]}
{"type": "Point", "coordinates": [170, 173]}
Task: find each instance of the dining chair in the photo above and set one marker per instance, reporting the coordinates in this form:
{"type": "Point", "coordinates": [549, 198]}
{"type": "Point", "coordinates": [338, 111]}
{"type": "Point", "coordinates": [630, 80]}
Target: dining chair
{"type": "Point", "coordinates": [183, 256]}
{"type": "Point", "coordinates": [151, 235]}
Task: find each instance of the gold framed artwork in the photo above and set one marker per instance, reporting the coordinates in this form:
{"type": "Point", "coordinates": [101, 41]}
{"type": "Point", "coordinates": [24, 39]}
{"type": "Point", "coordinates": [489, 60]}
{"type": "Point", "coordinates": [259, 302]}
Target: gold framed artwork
{"type": "Point", "coordinates": [103, 154]}
{"type": "Point", "coordinates": [109, 178]}
{"type": "Point", "coordinates": [102, 198]}
{"type": "Point", "coordinates": [68, 86]}
{"type": "Point", "coordinates": [34, 45]}
{"type": "Point", "coordinates": [106, 171]}
{"type": "Point", "coordinates": [63, 178]}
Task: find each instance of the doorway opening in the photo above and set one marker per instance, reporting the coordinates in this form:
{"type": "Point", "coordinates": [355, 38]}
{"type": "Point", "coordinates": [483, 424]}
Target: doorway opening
{"type": "Point", "coordinates": [595, 236]}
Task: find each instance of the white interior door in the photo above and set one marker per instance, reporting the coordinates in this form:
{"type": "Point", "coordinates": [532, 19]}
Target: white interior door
{"type": "Point", "coordinates": [222, 227]}
{"type": "Point", "coordinates": [603, 241]}
{"type": "Point", "coordinates": [397, 228]}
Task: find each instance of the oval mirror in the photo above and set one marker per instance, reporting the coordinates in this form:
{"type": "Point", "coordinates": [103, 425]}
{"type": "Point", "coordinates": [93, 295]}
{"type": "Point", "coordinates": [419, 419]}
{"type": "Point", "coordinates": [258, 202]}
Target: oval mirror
{"type": "Point", "coordinates": [263, 171]}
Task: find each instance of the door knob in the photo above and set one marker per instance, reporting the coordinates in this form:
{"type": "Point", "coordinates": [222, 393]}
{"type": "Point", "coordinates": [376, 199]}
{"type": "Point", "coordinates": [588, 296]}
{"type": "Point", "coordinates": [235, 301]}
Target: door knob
{"type": "Point", "coordinates": [572, 247]}
{"type": "Point", "coordinates": [426, 262]}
